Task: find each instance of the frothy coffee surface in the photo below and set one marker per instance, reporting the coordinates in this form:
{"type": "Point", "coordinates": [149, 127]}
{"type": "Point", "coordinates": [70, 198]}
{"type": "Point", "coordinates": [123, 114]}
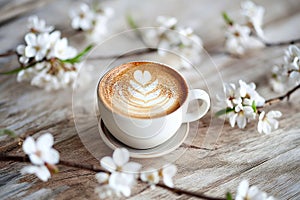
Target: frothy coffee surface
{"type": "Point", "coordinates": [142, 90]}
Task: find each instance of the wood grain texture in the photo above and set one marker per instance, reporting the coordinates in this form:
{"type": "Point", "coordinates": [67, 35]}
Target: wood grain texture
{"type": "Point", "coordinates": [217, 162]}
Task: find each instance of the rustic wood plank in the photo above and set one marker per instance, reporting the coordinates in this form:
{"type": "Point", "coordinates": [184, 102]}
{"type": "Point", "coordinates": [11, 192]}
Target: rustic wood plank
{"type": "Point", "coordinates": [14, 8]}
{"type": "Point", "coordinates": [270, 161]}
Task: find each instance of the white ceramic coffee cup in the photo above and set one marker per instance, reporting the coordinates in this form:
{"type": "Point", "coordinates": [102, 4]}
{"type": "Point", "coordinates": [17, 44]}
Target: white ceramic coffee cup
{"type": "Point", "coordinates": [144, 133]}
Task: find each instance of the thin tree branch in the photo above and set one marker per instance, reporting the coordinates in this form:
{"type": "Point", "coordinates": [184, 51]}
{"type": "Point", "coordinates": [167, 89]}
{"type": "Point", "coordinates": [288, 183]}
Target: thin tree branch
{"type": "Point", "coordinates": [8, 53]}
{"type": "Point", "coordinates": [281, 98]}
{"type": "Point", "coordinates": [90, 167]}
{"type": "Point", "coordinates": [189, 193]}
{"type": "Point", "coordinates": [134, 53]}
{"type": "Point", "coordinates": [282, 43]}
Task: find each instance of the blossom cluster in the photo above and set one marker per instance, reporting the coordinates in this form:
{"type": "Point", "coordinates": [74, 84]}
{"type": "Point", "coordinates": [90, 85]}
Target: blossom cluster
{"type": "Point", "coordinates": [242, 105]}
{"type": "Point", "coordinates": [42, 156]}
{"type": "Point", "coordinates": [44, 57]}
{"type": "Point", "coordinates": [123, 175]}
{"type": "Point", "coordinates": [251, 192]}
{"type": "Point", "coordinates": [180, 40]}
{"type": "Point", "coordinates": [246, 36]}
{"type": "Point", "coordinates": [288, 74]}
{"type": "Point", "coordinates": [93, 21]}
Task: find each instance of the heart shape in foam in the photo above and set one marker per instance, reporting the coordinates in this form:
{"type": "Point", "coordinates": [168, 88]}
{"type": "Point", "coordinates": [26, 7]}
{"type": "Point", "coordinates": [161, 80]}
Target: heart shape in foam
{"type": "Point", "coordinates": [142, 77]}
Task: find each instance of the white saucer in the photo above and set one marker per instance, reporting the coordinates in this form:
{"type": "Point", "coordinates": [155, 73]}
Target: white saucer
{"type": "Point", "coordinates": [160, 150]}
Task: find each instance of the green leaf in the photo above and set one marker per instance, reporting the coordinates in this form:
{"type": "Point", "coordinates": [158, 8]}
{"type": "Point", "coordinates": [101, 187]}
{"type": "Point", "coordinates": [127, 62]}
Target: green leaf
{"type": "Point", "coordinates": [79, 56]}
{"type": "Point", "coordinates": [7, 132]}
{"type": "Point", "coordinates": [14, 71]}
{"type": "Point", "coordinates": [224, 111]}
{"type": "Point", "coordinates": [227, 19]}
{"type": "Point", "coordinates": [228, 196]}
{"type": "Point", "coordinates": [131, 22]}
{"type": "Point", "coordinates": [254, 106]}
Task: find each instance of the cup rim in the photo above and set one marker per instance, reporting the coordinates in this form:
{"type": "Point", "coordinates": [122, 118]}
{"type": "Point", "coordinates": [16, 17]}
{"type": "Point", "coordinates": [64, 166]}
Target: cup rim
{"type": "Point", "coordinates": [142, 61]}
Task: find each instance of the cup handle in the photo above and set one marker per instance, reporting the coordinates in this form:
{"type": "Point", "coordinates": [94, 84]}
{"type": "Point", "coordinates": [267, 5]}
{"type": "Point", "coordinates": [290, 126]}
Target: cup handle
{"type": "Point", "coordinates": [197, 94]}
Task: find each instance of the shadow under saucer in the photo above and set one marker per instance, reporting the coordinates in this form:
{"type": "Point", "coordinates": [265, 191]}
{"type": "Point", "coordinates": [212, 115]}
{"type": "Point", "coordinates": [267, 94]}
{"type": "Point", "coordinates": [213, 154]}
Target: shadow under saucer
{"type": "Point", "coordinates": [170, 145]}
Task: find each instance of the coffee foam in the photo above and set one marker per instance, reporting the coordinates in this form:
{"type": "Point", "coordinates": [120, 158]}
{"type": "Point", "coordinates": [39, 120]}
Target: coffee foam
{"type": "Point", "coordinates": [142, 90]}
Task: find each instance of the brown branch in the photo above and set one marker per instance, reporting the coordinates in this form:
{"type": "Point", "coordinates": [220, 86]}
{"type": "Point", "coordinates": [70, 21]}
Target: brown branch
{"type": "Point", "coordinates": [8, 53]}
{"type": "Point", "coordinates": [90, 167]}
{"type": "Point", "coordinates": [189, 193]}
{"type": "Point", "coordinates": [282, 43]}
{"type": "Point", "coordinates": [281, 98]}
{"type": "Point", "coordinates": [134, 53]}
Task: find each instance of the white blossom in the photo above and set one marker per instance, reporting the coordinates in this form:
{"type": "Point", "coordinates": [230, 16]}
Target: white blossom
{"type": "Point", "coordinates": [62, 50]}
{"type": "Point", "coordinates": [122, 176]}
{"type": "Point", "coordinates": [53, 38]}
{"type": "Point", "coordinates": [267, 122]}
{"type": "Point", "coordinates": [231, 97]}
{"type": "Point", "coordinates": [150, 176]}
{"type": "Point", "coordinates": [247, 91]}
{"type": "Point", "coordinates": [93, 21]}
{"type": "Point", "coordinates": [41, 151]}
{"type": "Point", "coordinates": [288, 74]}
{"type": "Point", "coordinates": [26, 75]}
{"type": "Point", "coordinates": [51, 76]}
{"type": "Point", "coordinates": [121, 183]}
{"type": "Point", "coordinates": [36, 45]}
{"type": "Point", "coordinates": [37, 25]}
{"type": "Point", "coordinates": [239, 40]}
{"type": "Point", "coordinates": [42, 155]}
{"type": "Point", "coordinates": [167, 173]}
{"type": "Point", "coordinates": [254, 15]}
{"type": "Point", "coordinates": [99, 29]}
{"type": "Point", "coordinates": [40, 171]}
{"type": "Point", "coordinates": [241, 115]}
{"type": "Point", "coordinates": [120, 162]}
{"type": "Point", "coordinates": [241, 103]}
{"type": "Point", "coordinates": [292, 55]}
{"type": "Point", "coordinates": [21, 52]}
{"type": "Point", "coordinates": [292, 63]}
{"type": "Point", "coordinates": [190, 46]}
{"type": "Point", "coordinates": [180, 40]}
{"type": "Point", "coordinates": [250, 193]}
{"type": "Point", "coordinates": [82, 17]}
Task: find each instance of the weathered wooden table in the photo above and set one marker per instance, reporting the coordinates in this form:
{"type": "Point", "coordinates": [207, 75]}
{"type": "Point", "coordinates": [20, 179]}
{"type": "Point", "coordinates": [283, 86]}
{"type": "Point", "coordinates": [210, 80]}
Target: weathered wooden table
{"type": "Point", "coordinates": [214, 164]}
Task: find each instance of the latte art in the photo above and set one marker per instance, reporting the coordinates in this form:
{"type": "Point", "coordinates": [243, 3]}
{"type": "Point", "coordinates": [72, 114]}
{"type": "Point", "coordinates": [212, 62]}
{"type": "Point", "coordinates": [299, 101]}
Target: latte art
{"type": "Point", "coordinates": [142, 90]}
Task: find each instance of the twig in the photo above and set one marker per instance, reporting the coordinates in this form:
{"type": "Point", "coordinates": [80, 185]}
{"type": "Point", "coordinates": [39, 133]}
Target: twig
{"type": "Point", "coordinates": [134, 53]}
{"type": "Point", "coordinates": [8, 53]}
{"type": "Point", "coordinates": [280, 98]}
{"type": "Point", "coordinates": [282, 43]}
{"type": "Point", "coordinates": [90, 167]}
{"type": "Point", "coordinates": [186, 192]}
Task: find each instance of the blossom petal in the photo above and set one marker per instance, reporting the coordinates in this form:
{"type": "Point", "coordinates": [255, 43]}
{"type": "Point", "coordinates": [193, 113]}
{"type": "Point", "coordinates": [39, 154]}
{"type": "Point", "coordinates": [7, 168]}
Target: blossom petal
{"type": "Point", "coordinates": [169, 170]}
{"type": "Point", "coordinates": [30, 39]}
{"type": "Point", "coordinates": [241, 121]}
{"type": "Point", "coordinates": [102, 177]}
{"type": "Point", "coordinates": [45, 141]}
{"type": "Point", "coordinates": [29, 146]}
{"type": "Point", "coordinates": [40, 171]}
{"type": "Point", "coordinates": [260, 126]}
{"type": "Point", "coordinates": [131, 167]}
{"type": "Point", "coordinates": [108, 163]}
{"type": "Point", "coordinates": [121, 156]}
{"type": "Point", "coordinates": [243, 188]}
{"type": "Point", "coordinates": [51, 156]}
{"type": "Point", "coordinates": [36, 159]}
{"type": "Point", "coordinates": [30, 51]}
{"type": "Point", "coordinates": [274, 114]}
{"type": "Point", "coordinates": [232, 119]}
{"type": "Point", "coordinates": [267, 128]}
{"type": "Point", "coordinates": [121, 182]}
{"type": "Point", "coordinates": [168, 181]}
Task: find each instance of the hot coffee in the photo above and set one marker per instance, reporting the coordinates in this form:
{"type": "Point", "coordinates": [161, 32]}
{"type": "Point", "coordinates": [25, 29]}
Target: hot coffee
{"type": "Point", "coordinates": [142, 90]}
